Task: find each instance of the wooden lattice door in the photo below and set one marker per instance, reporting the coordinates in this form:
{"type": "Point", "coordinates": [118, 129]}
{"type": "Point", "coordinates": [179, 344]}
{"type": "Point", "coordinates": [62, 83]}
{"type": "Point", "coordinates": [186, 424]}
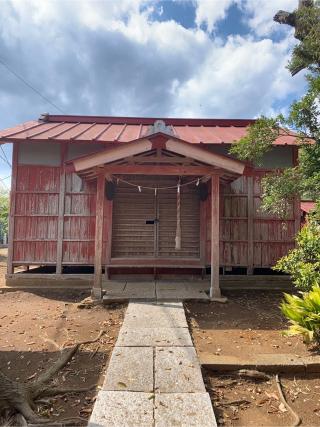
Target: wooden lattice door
{"type": "Point", "coordinates": [144, 223]}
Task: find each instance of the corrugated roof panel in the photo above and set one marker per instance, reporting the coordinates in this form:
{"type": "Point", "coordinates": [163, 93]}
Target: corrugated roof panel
{"type": "Point", "coordinates": [111, 133]}
{"type": "Point", "coordinates": [286, 139]}
{"type": "Point", "coordinates": [307, 206]}
{"type": "Point", "coordinates": [130, 133]}
{"type": "Point", "coordinates": [73, 131]}
{"type": "Point", "coordinates": [92, 133]}
{"type": "Point", "coordinates": [19, 128]}
{"type": "Point", "coordinates": [124, 129]}
{"type": "Point", "coordinates": [230, 134]}
{"type": "Point", "coordinates": [188, 134]}
{"type": "Point", "coordinates": [34, 130]}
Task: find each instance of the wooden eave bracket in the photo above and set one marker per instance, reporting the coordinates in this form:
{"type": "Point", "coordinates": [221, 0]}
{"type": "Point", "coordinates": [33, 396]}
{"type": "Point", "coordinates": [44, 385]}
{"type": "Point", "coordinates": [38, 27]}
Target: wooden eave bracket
{"type": "Point", "coordinates": [177, 146]}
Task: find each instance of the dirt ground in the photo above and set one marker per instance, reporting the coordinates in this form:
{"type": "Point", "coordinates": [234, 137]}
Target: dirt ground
{"type": "Point", "coordinates": [251, 323]}
{"type": "Point", "coordinates": [33, 328]}
{"type": "Point", "coordinates": [239, 402]}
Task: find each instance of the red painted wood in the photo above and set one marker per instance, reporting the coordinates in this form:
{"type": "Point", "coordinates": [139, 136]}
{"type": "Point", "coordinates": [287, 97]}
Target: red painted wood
{"type": "Point", "coordinates": [215, 250]}
{"type": "Point", "coordinates": [97, 283]}
{"type": "Point", "coordinates": [36, 220]}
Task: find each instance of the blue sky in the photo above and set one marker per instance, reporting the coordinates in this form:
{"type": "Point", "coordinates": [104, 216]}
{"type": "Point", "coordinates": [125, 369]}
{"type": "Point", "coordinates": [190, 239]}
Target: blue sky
{"type": "Point", "coordinates": [197, 58]}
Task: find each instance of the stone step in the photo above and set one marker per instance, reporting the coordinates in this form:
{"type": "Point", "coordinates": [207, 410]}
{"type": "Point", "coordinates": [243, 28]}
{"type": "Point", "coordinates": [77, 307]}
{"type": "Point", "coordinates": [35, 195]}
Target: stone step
{"type": "Point", "coordinates": [184, 409]}
{"type": "Point", "coordinates": [122, 408]}
{"type": "Point", "coordinates": [130, 369]}
{"type": "Point", "coordinates": [177, 370]}
{"type": "Point", "coordinates": [154, 337]}
{"type": "Point", "coordinates": [155, 315]}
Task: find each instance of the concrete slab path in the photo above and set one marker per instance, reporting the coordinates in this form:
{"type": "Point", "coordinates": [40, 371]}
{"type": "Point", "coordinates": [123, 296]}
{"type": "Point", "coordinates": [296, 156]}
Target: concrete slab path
{"type": "Point", "coordinates": [157, 290]}
{"type": "Point", "coordinates": [154, 377]}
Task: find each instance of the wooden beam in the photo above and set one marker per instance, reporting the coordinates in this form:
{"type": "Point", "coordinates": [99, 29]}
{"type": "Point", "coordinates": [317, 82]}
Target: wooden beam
{"type": "Point", "coordinates": [15, 154]}
{"type": "Point", "coordinates": [213, 159]}
{"type": "Point", "coordinates": [159, 170]}
{"type": "Point", "coordinates": [158, 262]}
{"type": "Point", "coordinates": [111, 154]}
{"type": "Point", "coordinates": [214, 283]}
{"type": "Point", "coordinates": [63, 150]}
{"type": "Point", "coordinates": [97, 280]}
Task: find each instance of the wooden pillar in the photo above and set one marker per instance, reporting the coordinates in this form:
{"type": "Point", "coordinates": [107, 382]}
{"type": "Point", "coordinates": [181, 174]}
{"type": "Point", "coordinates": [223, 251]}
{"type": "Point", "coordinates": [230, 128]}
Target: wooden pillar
{"type": "Point", "coordinates": [250, 223]}
{"type": "Point", "coordinates": [97, 282]}
{"type": "Point", "coordinates": [108, 218]}
{"type": "Point", "coordinates": [214, 285]}
{"type": "Point", "coordinates": [62, 190]}
{"type": "Point", "coordinates": [297, 201]}
{"type": "Point", "coordinates": [203, 232]}
{"type": "Point", "coordinates": [15, 151]}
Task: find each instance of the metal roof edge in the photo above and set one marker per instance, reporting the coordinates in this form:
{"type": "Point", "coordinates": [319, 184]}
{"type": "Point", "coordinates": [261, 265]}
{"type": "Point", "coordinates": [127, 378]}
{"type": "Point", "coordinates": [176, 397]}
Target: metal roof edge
{"type": "Point", "coordinates": [175, 121]}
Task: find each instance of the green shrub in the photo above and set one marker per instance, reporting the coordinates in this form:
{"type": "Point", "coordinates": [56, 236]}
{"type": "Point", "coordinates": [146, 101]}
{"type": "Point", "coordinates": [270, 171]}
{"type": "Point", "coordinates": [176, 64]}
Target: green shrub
{"type": "Point", "coordinates": [303, 313]}
{"type": "Point", "coordinates": [303, 262]}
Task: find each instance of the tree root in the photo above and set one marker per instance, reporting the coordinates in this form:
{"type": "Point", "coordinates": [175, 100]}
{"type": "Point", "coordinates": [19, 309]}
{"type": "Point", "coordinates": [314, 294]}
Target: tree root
{"type": "Point", "coordinates": [57, 391]}
{"type": "Point", "coordinates": [20, 398]}
{"type": "Point", "coordinates": [297, 419]}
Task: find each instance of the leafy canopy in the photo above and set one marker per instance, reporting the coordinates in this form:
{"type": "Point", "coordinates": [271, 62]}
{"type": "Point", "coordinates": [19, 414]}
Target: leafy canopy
{"type": "Point", "coordinates": [4, 212]}
{"type": "Point", "coordinates": [303, 262]}
{"type": "Point", "coordinates": [279, 188]}
{"type": "Point", "coordinates": [306, 54]}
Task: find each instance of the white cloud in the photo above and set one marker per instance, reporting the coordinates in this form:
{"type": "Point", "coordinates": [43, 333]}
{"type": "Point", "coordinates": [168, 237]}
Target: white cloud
{"type": "Point", "coordinates": [112, 58]}
{"type": "Point", "coordinates": [242, 78]}
{"type": "Point", "coordinates": [209, 12]}
{"type": "Point", "coordinates": [260, 14]}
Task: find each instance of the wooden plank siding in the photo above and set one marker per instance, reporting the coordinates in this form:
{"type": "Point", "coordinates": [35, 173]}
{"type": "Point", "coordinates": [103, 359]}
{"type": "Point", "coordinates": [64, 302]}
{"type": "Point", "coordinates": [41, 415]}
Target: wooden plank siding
{"type": "Point", "coordinates": [248, 237]}
{"type": "Point", "coordinates": [79, 221]}
{"type": "Point", "coordinates": [134, 237]}
{"type": "Point", "coordinates": [36, 214]}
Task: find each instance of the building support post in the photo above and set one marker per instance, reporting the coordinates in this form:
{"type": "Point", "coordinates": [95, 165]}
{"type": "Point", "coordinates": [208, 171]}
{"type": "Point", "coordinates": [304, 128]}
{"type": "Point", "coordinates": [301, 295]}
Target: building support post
{"type": "Point", "coordinates": [108, 218]}
{"type": "Point", "coordinates": [97, 281]}
{"type": "Point", "coordinates": [61, 209]}
{"type": "Point", "coordinates": [13, 195]}
{"type": "Point", "coordinates": [215, 293]}
{"type": "Point", "coordinates": [250, 223]}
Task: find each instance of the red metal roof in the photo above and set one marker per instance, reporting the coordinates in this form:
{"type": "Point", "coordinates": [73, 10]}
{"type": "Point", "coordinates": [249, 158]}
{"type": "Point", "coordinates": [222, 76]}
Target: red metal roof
{"type": "Point", "coordinates": [307, 206]}
{"type": "Point", "coordinates": [59, 128]}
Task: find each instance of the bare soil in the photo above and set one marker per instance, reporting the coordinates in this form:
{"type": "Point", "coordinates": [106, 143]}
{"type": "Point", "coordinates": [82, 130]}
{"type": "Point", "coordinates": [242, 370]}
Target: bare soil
{"type": "Point", "coordinates": [239, 402]}
{"type": "Point", "coordinates": [251, 323]}
{"type": "Point", "coordinates": [34, 326]}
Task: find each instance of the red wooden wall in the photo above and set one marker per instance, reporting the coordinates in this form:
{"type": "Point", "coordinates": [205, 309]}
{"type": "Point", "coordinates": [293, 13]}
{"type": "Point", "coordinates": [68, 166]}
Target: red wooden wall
{"type": "Point", "coordinates": [248, 237]}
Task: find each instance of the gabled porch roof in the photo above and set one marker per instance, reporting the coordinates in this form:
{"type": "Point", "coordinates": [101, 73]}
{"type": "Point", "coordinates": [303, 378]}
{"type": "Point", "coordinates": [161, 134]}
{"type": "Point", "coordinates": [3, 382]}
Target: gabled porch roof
{"type": "Point", "coordinates": [155, 154]}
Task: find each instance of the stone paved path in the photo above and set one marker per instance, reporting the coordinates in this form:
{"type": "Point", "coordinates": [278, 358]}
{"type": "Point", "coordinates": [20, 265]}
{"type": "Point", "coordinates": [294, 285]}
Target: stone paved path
{"type": "Point", "coordinates": [154, 377]}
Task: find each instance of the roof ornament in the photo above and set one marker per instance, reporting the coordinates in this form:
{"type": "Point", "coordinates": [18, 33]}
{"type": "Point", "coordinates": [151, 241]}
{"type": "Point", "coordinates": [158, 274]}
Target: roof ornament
{"type": "Point", "coordinates": [160, 126]}
{"type": "Point", "coordinates": [44, 117]}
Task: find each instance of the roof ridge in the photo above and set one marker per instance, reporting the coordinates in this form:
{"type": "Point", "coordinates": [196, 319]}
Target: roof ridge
{"type": "Point", "coordinates": [175, 121]}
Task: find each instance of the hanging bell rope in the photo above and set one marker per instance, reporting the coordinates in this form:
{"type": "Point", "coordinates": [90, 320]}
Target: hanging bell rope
{"type": "Point", "coordinates": [155, 189]}
{"type": "Point", "coordinates": [178, 229]}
